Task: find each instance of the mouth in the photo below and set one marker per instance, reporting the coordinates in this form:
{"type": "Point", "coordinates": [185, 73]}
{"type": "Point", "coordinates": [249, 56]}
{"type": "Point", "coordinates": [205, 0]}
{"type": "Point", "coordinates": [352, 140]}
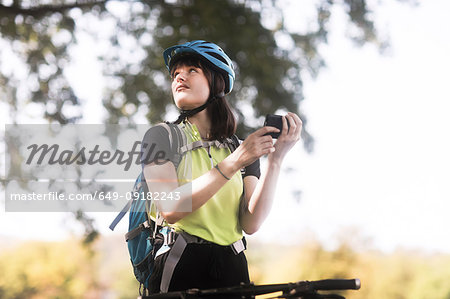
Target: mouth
{"type": "Point", "coordinates": [181, 87]}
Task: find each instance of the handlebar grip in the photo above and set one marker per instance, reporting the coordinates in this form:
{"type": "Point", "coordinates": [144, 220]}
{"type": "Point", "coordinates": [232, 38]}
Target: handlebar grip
{"type": "Point", "coordinates": [336, 284]}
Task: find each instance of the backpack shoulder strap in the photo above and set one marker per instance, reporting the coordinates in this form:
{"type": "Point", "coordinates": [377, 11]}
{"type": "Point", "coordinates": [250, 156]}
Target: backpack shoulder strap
{"type": "Point", "coordinates": [126, 208]}
{"type": "Point", "coordinates": [234, 144]}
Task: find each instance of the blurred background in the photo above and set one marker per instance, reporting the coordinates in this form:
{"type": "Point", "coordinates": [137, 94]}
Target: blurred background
{"type": "Point", "coordinates": [365, 195]}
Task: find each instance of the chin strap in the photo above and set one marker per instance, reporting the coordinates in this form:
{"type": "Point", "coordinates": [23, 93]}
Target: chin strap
{"type": "Point", "coordinates": [188, 113]}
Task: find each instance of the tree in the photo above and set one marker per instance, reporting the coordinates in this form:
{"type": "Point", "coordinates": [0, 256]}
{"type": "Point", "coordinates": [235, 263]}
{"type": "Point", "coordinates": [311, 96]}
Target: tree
{"type": "Point", "coordinates": [269, 76]}
{"type": "Point", "coordinates": [38, 37]}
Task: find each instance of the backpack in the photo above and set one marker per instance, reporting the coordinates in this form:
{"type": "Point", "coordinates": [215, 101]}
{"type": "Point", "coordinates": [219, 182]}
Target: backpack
{"type": "Point", "coordinates": [148, 235]}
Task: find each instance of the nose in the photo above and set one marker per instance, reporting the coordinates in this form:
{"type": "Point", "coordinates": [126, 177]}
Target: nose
{"type": "Point", "coordinates": [181, 76]}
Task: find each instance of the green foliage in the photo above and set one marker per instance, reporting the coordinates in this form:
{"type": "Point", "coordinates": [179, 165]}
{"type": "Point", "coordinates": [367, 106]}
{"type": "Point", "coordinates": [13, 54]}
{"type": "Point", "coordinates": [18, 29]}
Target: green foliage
{"type": "Point", "coordinates": [267, 79]}
{"type": "Point", "coordinates": [39, 36]}
{"type": "Point", "coordinates": [114, 268]}
{"type": "Point", "coordinates": [269, 74]}
{"type": "Point", "coordinates": [47, 270]}
{"type": "Point", "coordinates": [68, 270]}
{"type": "Point", "coordinates": [402, 274]}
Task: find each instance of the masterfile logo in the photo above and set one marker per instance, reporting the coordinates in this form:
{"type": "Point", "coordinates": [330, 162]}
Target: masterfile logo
{"type": "Point", "coordinates": [74, 167]}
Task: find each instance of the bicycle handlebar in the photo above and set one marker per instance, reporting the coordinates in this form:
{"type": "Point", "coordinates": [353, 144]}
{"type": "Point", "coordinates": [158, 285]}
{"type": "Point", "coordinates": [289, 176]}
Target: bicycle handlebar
{"type": "Point", "coordinates": [296, 289]}
{"type": "Point", "coordinates": [336, 284]}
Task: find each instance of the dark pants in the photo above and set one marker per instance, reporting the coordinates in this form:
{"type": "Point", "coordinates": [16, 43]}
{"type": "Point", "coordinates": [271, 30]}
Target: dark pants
{"type": "Point", "coordinates": [204, 266]}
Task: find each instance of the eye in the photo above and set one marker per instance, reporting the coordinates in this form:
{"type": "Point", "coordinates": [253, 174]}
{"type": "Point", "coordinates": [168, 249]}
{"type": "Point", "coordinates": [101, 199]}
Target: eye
{"type": "Point", "coordinates": [193, 70]}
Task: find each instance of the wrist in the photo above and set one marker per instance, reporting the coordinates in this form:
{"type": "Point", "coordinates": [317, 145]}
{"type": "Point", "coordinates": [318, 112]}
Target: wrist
{"type": "Point", "coordinates": [220, 171]}
{"type": "Point", "coordinates": [274, 161]}
{"type": "Point", "coordinates": [229, 166]}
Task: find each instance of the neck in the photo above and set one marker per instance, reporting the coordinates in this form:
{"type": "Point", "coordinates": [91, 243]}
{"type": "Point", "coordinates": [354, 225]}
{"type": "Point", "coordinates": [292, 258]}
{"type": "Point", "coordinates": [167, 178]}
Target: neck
{"type": "Point", "coordinates": [202, 122]}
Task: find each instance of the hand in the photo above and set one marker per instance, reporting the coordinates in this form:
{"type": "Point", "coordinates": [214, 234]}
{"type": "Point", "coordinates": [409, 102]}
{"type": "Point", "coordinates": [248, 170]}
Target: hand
{"type": "Point", "coordinates": [255, 146]}
{"type": "Point", "coordinates": [287, 139]}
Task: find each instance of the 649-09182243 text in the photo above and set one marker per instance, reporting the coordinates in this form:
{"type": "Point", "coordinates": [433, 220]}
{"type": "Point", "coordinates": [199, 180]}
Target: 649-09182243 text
{"type": "Point", "coordinates": [102, 196]}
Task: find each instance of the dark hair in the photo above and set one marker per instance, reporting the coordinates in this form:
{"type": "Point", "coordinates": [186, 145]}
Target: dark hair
{"type": "Point", "coordinates": [223, 122]}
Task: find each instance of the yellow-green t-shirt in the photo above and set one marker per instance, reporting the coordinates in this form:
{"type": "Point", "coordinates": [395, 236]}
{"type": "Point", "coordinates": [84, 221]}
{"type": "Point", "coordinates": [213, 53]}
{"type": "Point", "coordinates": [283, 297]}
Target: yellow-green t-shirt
{"type": "Point", "coordinates": [217, 220]}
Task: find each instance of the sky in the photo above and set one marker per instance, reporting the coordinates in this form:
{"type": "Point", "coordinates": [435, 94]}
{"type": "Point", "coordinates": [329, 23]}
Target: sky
{"type": "Point", "coordinates": [380, 171]}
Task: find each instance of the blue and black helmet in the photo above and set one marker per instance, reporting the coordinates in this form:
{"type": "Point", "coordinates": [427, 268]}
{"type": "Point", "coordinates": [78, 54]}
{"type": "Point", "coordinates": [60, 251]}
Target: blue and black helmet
{"type": "Point", "coordinates": [210, 52]}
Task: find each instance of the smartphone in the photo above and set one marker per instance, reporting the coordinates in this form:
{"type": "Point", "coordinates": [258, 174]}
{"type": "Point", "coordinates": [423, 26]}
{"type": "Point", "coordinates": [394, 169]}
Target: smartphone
{"type": "Point", "coordinates": [276, 121]}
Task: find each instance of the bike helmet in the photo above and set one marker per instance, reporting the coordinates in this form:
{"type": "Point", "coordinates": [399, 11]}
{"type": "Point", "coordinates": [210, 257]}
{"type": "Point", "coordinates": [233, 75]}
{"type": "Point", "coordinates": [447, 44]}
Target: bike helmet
{"type": "Point", "coordinates": [209, 52]}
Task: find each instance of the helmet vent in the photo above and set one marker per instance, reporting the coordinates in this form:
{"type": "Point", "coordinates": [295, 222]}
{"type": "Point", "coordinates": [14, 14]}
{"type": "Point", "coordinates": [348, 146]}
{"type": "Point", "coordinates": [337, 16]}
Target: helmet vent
{"type": "Point", "coordinates": [217, 56]}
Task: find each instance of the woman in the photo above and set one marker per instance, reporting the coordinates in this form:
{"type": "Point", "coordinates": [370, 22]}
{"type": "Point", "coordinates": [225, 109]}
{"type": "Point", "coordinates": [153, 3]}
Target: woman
{"type": "Point", "coordinates": [213, 226]}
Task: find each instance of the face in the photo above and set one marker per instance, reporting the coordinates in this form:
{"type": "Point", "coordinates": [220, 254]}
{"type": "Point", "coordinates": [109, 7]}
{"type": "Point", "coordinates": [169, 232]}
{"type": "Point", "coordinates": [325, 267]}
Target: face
{"type": "Point", "coordinates": [190, 88]}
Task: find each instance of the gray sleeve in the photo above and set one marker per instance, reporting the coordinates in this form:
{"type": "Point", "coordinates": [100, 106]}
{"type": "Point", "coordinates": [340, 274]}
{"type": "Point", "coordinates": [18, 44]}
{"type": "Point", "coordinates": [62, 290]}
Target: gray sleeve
{"type": "Point", "coordinates": [156, 146]}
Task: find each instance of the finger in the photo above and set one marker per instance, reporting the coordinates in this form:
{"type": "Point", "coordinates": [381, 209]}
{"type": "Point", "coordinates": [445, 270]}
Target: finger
{"type": "Point", "coordinates": [284, 132]}
{"type": "Point", "coordinates": [298, 123]}
{"type": "Point", "coordinates": [267, 139]}
{"type": "Point", "coordinates": [296, 118]}
{"type": "Point", "coordinates": [292, 124]}
{"type": "Point", "coordinates": [263, 142]}
{"type": "Point", "coordinates": [261, 151]}
{"type": "Point", "coordinates": [265, 130]}
{"type": "Point", "coordinates": [267, 150]}
{"type": "Point", "coordinates": [266, 144]}
{"type": "Point", "coordinates": [255, 143]}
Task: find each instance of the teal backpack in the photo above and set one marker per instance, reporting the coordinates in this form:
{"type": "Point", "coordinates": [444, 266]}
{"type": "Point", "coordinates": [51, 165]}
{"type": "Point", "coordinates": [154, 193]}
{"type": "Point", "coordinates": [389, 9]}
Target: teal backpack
{"type": "Point", "coordinates": [149, 237]}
